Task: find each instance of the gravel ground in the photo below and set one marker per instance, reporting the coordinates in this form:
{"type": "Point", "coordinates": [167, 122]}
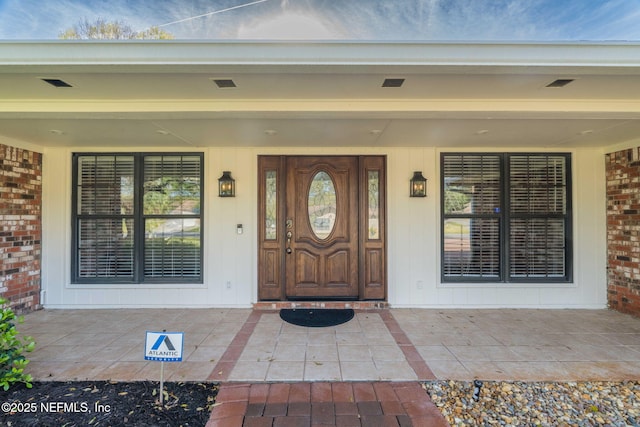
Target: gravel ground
{"type": "Point", "coordinates": [538, 403]}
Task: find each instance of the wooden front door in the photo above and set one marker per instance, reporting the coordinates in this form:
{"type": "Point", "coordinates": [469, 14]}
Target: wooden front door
{"type": "Point", "coordinates": [321, 221]}
{"type": "Point", "coordinates": [321, 227]}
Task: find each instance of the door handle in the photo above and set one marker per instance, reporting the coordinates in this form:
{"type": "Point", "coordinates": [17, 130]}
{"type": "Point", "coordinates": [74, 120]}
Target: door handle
{"type": "Point", "coordinates": [289, 225]}
{"type": "Point", "coordinates": [289, 235]}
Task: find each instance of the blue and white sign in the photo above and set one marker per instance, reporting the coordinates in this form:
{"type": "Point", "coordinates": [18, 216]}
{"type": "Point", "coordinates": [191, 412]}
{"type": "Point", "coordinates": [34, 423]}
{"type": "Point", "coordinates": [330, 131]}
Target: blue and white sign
{"type": "Point", "coordinates": [164, 346]}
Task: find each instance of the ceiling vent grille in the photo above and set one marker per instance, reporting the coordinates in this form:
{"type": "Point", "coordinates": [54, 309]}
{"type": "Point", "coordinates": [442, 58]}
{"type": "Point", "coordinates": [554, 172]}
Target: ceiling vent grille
{"type": "Point", "coordinates": [393, 82]}
{"type": "Point", "coordinates": [224, 83]}
{"type": "Point", "coordinates": [560, 82]}
{"type": "Point", "coordinates": [57, 82]}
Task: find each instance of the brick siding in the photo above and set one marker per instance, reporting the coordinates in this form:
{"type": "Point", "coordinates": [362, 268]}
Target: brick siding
{"type": "Point", "coordinates": [20, 227]}
{"type": "Point", "coordinates": [623, 230]}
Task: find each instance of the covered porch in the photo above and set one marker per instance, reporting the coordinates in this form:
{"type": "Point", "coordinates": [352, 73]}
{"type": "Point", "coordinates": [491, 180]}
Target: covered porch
{"type": "Point", "coordinates": [244, 345]}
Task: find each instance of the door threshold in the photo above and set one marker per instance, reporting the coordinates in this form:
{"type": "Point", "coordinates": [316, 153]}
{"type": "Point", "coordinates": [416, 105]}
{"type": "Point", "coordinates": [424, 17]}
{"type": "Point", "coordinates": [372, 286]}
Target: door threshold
{"type": "Point", "coordinates": [356, 305]}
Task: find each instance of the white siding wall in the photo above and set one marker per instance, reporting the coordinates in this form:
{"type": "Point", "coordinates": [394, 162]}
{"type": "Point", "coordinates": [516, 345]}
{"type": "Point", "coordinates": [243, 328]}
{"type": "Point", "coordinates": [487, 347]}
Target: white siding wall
{"type": "Point", "coordinates": [413, 239]}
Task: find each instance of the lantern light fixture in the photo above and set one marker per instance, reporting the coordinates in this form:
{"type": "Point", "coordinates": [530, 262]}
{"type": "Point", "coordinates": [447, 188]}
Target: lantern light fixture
{"type": "Point", "coordinates": [226, 185]}
{"type": "Point", "coordinates": [418, 185]}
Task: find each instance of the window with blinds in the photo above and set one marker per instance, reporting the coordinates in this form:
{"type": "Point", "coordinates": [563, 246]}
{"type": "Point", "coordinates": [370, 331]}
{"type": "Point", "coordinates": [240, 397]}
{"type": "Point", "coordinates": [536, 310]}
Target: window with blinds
{"type": "Point", "coordinates": [137, 218]}
{"type": "Point", "coordinates": [506, 217]}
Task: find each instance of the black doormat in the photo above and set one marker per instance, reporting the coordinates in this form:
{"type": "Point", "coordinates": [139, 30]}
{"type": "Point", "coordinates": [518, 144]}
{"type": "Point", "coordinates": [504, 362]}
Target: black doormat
{"type": "Point", "coordinates": [316, 318]}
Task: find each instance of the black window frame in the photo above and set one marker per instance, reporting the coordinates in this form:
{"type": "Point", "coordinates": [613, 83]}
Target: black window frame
{"type": "Point", "coordinates": [504, 217]}
{"type": "Point", "coordinates": [138, 218]}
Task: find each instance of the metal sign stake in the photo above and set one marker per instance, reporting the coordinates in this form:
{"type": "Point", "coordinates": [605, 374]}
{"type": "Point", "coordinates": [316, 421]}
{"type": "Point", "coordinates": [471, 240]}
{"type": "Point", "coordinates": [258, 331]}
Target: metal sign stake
{"type": "Point", "coordinates": [161, 382]}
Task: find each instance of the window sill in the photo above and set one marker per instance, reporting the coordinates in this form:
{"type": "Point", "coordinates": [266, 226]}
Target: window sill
{"type": "Point", "coordinates": [501, 285]}
{"type": "Point", "coordinates": [136, 286]}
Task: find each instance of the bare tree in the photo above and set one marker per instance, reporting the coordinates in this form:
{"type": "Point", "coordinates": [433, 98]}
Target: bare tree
{"type": "Point", "coordinates": [101, 29]}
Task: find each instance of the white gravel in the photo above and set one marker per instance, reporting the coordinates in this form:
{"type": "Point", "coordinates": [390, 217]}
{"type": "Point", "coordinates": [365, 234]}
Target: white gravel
{"type": "Point", "coordinates": [538, 403]}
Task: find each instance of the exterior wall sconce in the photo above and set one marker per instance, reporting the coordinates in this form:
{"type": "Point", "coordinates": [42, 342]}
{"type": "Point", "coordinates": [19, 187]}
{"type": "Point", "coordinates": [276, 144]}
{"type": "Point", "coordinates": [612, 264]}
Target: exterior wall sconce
{"type": "Point", "coordinates": [226, 185]}
{"type": "Point", "coordinates": [418, 185]}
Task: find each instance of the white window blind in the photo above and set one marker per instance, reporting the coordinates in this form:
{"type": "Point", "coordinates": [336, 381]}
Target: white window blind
{"type": "Point", "coordinates": [171, 216]}
{"type": "Point", "coordinates": [538, 205]}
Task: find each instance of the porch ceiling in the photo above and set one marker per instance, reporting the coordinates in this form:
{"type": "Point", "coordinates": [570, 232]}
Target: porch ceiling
{"type": "Point", "coordinates": [160, 94]}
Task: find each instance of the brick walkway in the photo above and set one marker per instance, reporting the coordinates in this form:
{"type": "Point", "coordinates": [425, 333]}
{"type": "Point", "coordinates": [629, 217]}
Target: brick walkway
{"type": "Point", "coordinates": [344, 404]}
{"type": "Point", "coordinates": [305, 404]}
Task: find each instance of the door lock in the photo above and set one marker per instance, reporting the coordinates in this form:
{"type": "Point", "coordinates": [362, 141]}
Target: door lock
{"type": "Point", "coordinates": [289, 225]}
{"type": "Point", "coordinates": [289, 235]}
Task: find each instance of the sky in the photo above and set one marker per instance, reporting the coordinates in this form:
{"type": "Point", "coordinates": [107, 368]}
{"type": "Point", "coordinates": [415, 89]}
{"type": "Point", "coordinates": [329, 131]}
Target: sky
{"type": "Point", "coordinates": [377, 20]}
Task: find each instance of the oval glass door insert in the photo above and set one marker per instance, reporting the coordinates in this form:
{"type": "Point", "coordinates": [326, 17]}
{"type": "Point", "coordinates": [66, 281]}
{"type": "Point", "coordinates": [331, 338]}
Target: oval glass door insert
{"type": "Point", "coordinates": [322, 205]}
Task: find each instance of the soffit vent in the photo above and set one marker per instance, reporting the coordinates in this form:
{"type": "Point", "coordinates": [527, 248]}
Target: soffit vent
{"type": "Point", "coordinates": [57, 82]}
{"type": "Point", "coordinates": [224, 83]}
{"type": "Point", "coordinates": [392, 82]}
{"type": "Point", "coordinates": [560, 82]}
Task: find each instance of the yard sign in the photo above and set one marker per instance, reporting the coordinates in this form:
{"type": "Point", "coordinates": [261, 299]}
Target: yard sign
{"type": "Point", "coordinates": [164, 346]}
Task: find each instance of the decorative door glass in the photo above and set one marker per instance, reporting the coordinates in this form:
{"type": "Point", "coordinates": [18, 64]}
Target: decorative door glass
{"type": "Point", "coordinates": [271, 205]}
{"type": "Point", "coordinates": [322, 205]}
{"type": "Point", "coordinates": [373, 185]}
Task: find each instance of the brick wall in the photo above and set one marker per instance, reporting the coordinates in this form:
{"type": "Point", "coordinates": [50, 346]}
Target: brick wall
{"type": "Point", "coordinates": [623, 230]}
{"type": "Point", "coordinates": [20, 227]}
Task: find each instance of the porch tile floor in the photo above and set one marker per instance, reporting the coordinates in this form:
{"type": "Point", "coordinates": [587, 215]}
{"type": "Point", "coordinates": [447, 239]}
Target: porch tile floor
{"type": "Point", "coordinates": [244, 348]}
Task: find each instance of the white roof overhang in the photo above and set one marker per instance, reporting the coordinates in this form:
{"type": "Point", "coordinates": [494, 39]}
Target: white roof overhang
{"type": "Point", "coordinates": [162, 93]}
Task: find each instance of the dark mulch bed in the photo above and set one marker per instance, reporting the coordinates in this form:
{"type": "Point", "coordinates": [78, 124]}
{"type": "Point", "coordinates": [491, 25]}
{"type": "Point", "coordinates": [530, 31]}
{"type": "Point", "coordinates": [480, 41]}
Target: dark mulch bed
{"type": "Point", "coordinates": [104, 403]}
